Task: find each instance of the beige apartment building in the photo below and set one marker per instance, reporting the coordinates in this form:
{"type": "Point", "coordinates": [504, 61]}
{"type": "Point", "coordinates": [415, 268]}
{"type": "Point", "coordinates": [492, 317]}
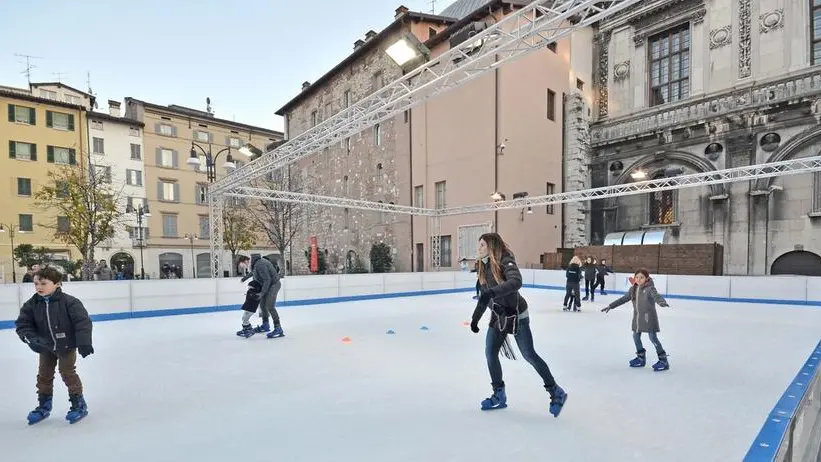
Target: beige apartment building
{"type": "Point", "coordinates": [178, 227]}
{"type": "Point", "coordinates": [501, 133]}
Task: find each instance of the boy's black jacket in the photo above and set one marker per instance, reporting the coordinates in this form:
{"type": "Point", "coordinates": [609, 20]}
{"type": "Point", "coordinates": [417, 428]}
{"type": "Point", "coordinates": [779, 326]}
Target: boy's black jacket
{"type": "Point", "coordinates": [62, 325]}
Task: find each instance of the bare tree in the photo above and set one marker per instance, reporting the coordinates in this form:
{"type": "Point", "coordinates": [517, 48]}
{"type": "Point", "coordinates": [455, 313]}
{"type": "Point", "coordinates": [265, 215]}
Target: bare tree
{"type": "Point", "coordinates": [238, 232]}
{"type": "Point", "coordinates": [281, 221]}
{"type": "Point", "coordinates": [85, 210]}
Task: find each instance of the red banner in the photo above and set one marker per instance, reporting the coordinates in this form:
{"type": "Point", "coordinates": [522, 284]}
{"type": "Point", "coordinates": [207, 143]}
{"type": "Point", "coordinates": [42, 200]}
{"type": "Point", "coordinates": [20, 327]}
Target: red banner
{"type": "Point", "coordinates": [314, 255]}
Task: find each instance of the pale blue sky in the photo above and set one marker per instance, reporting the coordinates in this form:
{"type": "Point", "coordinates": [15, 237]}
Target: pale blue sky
{"type": "Point", "coordinates": [249, 56]}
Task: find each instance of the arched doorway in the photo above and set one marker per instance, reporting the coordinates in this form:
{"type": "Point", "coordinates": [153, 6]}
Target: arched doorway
{"type": "Point", "coordinates": [797, 262]}
{"type": "Point", "coordinates": [171, 265]}
{"type": "Point", "coordinates": [122, 262]}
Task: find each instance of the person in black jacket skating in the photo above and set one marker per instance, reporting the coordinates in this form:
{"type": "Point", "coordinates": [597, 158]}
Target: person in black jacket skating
{"type": "Point", "coordinates": [602, 270]}
{"type": "Point", "coordinates": [500, 281]}
{"type": "Point", "coordinates": [572, 289]}
{"type": "Point", "coordinates": [56, 326]}
{"type": "Point", "coordinates": [589, 279]}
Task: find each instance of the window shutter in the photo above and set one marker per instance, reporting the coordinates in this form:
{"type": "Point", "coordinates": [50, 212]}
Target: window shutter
{"type": "Point", "coordinates": [139, 178]}
{"type": "Point", "coordinates": [11, 113]}
{"type": "Point", "coordinates": [210, 137]}
{"type": "Point", "coordinates": [173, 131]}
{"type": "Point", "coordinates": [49, 120]}
{"type": "Point", "coordinates": [158, 152]}
{"type": "Point", "coordinates": [33, 114]}
{"type": "Point", "coordinates": [12, 149]}
{"type": "Point", "coordinates": [50, 154]}
{"type": "Point", "coordinates": [228, 141]}
{"type": "Point", "coordinates": [71, 122]}
{"type": "Point", "coordinates": [72, 157]}
{"type": "Point", "coordinates": [157, 128]}
{"type": "Point", "coordinates": [159, 191]}
{"type": "Point", "coordinates": [33, 152]}
{"type": "Point", "coordinates": [174, 159]}
{"type": "Point", "coordinates": [176, 192]}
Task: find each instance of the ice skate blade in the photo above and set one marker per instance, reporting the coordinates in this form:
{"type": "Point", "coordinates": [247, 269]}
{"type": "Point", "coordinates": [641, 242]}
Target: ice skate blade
{"type": "Point", "coordinates": [556, 415]}
{"type": "Point", "coordinates": [74, 421]}
{"type": "Point", "coordinates": [36, 421]}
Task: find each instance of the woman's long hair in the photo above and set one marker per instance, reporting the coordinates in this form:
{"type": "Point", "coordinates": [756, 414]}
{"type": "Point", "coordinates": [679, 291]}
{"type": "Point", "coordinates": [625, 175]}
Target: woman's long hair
{"type": "Point", "coordinates": [496, 246]}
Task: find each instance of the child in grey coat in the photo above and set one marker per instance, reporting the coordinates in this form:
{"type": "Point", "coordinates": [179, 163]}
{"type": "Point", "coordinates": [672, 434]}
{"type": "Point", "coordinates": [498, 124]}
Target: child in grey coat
{"type": "Point", "coordinates": [644, 296]}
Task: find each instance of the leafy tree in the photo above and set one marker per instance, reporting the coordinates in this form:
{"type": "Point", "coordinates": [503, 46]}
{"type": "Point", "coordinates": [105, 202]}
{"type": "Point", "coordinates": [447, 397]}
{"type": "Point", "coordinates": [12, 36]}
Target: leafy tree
{"type": "Point", "coordinates": [238, 234]}
{"type": "Point", "coordinates": [323, 264]}
{"type": "Point", "coordinates": [84, 210]}
{"type": "Point", "coordinates": [358, 266]}
{"type": "Point", "coordinates": [281, 221]}
{"type": "Point", "coordinates": [25, 256]}
{"type": "Point", "coordinates": [381, 258]}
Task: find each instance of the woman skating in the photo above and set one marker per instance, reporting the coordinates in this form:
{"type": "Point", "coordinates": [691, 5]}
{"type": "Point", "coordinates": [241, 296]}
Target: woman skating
{"type": "Point", "coordinates": [500, 281]}
{"type": "Point", "coordinates": [644, 295]}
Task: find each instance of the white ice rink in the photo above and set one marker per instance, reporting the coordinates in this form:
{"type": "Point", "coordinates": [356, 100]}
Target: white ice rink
{"type": "Point", "coordinates": [185, 388]}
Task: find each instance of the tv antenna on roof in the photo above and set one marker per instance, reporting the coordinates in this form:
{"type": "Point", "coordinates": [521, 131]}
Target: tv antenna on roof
{"type": "Point", "coordinates": [59, 76]}
{"type": "Point", "coordinates": [29, 65]}
{"type": "Point", "coordinates": [432, 6]}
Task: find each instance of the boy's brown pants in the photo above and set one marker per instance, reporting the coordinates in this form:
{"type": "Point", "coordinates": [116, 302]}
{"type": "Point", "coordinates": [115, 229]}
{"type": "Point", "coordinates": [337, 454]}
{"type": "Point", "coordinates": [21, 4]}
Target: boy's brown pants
{"type": "Point", "coordinates": [45, 375]}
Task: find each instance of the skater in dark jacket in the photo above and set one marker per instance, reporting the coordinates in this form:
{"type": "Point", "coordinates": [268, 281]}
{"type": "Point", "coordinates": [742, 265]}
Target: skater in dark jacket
{"type": "Point", "coordinates": [572, 290]}
{"type": "Point", "coordinates": [602, 270]}
{"type": "Point", "coordinates": [644, 296]}
{"type": "Point", "coordinates": [500, 281]}
{"type": "Point", "coordinates": [56, 326]}
{"type": "Point", "coordinates": [589, 279]}
{"type": "Point", "coordinates": [267, 275]}
{"type": "Point", "coordinates": [252, 297]}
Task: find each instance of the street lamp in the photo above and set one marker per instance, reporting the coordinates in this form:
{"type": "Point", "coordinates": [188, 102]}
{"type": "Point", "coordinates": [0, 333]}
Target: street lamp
{"type": "Point", "coordinates": [210, 160]}
{"type": "Point", "coordinates": [191, 238]}
{"type": "Point", "coordinates": [141, 211]}
{"type": "Point", "coordinates": [408, 52]}
{"type": "Point", "coordinates": [251, 151]}
{"type": "Point", "coordinates": [12, 230]}
{"type": "Point", "coordinates": [639, 175]}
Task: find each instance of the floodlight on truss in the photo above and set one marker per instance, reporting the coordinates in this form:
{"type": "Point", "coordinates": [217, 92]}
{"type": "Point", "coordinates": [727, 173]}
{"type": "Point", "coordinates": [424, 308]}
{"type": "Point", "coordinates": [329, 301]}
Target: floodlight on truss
{"type": "Point", "coordinates": [528, 29]}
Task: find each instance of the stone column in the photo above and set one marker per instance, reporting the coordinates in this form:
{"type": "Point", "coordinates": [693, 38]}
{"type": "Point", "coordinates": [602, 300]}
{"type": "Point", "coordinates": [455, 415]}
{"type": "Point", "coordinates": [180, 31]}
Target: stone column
{"type": "Point", "coordinates": [576, 168]}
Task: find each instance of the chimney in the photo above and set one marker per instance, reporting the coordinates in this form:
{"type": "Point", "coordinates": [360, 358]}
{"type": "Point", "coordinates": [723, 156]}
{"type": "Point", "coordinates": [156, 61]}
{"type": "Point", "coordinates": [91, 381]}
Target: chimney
{"type": "Point", "coordinates": [400, 11]}
{"type": "Point", "coordinates": [114, 108]}
{"type": "Point", "coordinates": [305, 85]}
{"type": "Point", "coordinates": [369, 35]}
{"type": "Point", "coordinates": [358, 44]}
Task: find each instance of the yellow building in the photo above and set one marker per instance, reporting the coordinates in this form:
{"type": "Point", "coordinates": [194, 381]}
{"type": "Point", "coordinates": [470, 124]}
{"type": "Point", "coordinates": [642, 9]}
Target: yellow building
{"type": "Point", "coordinates": [179, 232]}
{"type": "Point", "coordinates": [36, 134]}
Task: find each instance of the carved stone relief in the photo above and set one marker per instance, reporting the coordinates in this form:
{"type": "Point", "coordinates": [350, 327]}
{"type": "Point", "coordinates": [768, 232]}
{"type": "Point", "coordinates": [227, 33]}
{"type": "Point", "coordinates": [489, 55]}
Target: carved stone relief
{"type": "Point", "coordinates": [744, 40]}
{"type": "Point", "coordinates": [721, 37]}
{"type": "Point", "coordinates": [621, 71]}
{"type": "Point", "coordinates": [771, 21]}
{"type": "Point", "coordinates": [603, 40]}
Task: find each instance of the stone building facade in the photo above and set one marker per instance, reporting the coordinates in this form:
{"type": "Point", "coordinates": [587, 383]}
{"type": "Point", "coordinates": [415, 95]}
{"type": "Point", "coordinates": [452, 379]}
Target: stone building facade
{"type": "Point", "coordinates": [690, 86]}
{"type": "Point", "coordinates": [373, 165]}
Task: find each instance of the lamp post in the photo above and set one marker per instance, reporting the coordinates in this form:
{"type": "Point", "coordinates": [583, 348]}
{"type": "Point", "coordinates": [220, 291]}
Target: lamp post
{"type": "Point", "coordinates": [210, 160]}
{"type": "Point", "coordinates": [141, 211]}
{"type": "Point", "coordinates": [191, 238]}
{"type": "Point", "coordinates": [12, 230]}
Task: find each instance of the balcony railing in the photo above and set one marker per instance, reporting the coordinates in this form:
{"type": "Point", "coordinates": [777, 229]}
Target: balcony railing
{"type": "Point", "coordinates": [137, 243]}
{"type": "Point", "coordinates": [756, 95]}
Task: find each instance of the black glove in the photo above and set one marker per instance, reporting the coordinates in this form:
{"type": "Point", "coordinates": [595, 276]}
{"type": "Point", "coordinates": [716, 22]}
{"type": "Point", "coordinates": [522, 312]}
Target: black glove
{"type": "Point", "coordinates": [85, 350]}
{"type": "Point", "coordinates": [485, 295]}
{"type": "Point", "coordinates": [36, 344]}
{"type": "Point", "coordinates": [474, 326]}
{"type": "Point", "coordinates": [606, 309]}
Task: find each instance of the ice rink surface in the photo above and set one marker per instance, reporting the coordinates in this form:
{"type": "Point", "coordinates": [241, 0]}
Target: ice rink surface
{"type": "Point", "coordinates": [186, 388]}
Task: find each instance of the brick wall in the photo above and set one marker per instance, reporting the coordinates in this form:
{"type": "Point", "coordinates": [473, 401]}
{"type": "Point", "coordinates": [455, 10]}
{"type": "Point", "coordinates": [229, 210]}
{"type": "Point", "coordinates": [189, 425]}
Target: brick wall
{"type": "Point", "coordinates": [694, 259]}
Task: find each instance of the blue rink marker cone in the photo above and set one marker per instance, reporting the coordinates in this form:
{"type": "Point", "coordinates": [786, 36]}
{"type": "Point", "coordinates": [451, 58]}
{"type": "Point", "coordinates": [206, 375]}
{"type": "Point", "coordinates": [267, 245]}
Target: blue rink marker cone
{"type": "Point", "coordinates": [390, 332]}
{"type": "Point", "coordinates": [424, 328]}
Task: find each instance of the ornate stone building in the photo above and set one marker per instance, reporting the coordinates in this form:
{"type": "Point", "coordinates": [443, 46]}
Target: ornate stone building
{"type": "Point", "coordinates": [689, 86]}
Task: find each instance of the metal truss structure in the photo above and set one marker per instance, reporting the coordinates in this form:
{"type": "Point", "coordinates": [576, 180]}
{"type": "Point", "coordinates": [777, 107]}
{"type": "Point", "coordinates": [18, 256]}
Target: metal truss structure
{"type": "Point", "coordinates": [528, 29]}
{"type": "Point", "coordinates": [730, 175]}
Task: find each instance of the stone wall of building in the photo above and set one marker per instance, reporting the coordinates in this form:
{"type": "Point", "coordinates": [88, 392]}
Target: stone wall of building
{"type": "Point", "coordinates": [576, 167]}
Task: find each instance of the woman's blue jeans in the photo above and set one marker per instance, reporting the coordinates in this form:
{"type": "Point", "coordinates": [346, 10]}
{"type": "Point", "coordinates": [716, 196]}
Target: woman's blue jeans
{"type": "Point", "coordinates": [524, 339]}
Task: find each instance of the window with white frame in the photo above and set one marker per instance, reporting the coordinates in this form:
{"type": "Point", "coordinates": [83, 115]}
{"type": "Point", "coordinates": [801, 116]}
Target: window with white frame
{"type": "Point", "coordinates": [96, 125]}
{"type": "Point", "coordinates": [22, 115]}
{"type": "Point", "coordinates": [98, 145]}
{"type": "Point", "coordinates": [24, 187]}
{"type": "Point", "coordinates": [419, 196]}
{"type": "Point", "coordinates": [202, 136]}
{"type": "Point", "coordinates": [22, 151]}
{"type": "Point", "coordinates": [62, 156]}
{"type": "Point", "coordinates": [167, 158]}
{"type": "Point", "coordinates": [234, 142]}
{"type": "Point", "coordinates": [134, 177]}
{"type": "Point", "coordinates": [71, 99]}
{"type": "Point", "coordinates": [440, 194]}
{"type": "Point", "coordinates": [60, 121]}
{"type": "Point", "coordinates": [26, 222]}
{"type": "Point", "coordinates": [48, 94]}
{"type": "Point", "coordinates": [168, 191]}
{"type": "Point", "coordinates": [169, 225]}
{"type": "Point", "coordinates": [669, 58]}
{"type": "Point", "coordinates": [136, 152]}
{"type": "Point", "coordinates": [166, 130]}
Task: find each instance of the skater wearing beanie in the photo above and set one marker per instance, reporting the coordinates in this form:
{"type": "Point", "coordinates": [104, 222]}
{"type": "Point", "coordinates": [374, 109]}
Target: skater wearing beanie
{"type": "Point", "coordinates": [500, 281]}
{"type": "Point", "coordinates": [644, 296]}
{"type": "Point", "coordinates": [56, 326]}
{"type": "Point", "coordinates": [572, 290]}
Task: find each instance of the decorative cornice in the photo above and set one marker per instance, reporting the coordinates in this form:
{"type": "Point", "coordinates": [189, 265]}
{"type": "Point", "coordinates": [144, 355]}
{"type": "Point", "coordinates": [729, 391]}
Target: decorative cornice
{"type": "Point", "coordinates": [642, 10]}
{"type": "Point", "coordinates": [693, 12]}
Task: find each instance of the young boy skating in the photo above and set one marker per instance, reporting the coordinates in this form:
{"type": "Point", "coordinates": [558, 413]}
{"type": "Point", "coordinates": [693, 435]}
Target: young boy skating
{"type": "Point", "coordinates": [56, 326]}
